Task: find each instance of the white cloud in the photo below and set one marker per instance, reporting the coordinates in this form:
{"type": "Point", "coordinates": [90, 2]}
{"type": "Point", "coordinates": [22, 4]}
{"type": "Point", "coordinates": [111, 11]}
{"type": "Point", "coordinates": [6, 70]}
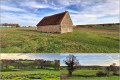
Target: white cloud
{"type": "Point", "coordinates": [68, 2]}
{"type": "Point", "coordinates": [13, 56]}
{"type": "Point", "coordinates": [53, 4]}
{"type": "Point", "coordinates": [32, 56]}
{"type": "Point", "coordinates": [91, 12]}
{"type": "Point", "coordinates": [34, 4]}
{"type": "Point", "coordinates": [8, 8]}
{"type": "Point", "coordinates": [113, 58]}
{"type": "Point", "coordinates": [108, 8]}
{"type": "Point", "coordinates": [22, 19]}
{"type": "Point", "coordinates": [80, 19]}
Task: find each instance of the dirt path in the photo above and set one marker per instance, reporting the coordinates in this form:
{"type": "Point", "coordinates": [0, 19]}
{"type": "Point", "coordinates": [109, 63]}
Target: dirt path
{"type": "Point", "coordinates": [97, 29]}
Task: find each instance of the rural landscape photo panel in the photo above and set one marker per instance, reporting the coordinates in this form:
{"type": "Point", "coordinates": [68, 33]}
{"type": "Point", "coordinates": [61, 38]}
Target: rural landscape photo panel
{"type": "Point", "coordinates": [89, 66]}
{"type": "Point", "coordinates": [30, 66]}
{"type": "Point", "coordinates": [59, 26]}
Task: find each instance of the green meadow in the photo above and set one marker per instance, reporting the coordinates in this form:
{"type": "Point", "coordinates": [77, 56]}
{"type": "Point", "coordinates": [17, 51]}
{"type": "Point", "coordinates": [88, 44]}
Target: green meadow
{"type": "Point", "coordinates": [25, 72]}
{"type": "Point", "coordinates": [30, 74]}
{"type": "Point", "coordinates": [94, 78]}
{"type": "Point", "coordinates": [92, 73]}
{"type": "Point", "coordinates": [28, 40]}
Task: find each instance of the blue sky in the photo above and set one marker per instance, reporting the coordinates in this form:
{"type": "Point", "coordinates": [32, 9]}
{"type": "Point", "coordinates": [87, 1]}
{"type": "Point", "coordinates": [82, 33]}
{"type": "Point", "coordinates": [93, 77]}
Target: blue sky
{"type": "Point", "coordinates": [32, 56]}
{"type": "Point", "coordinates": [30, 12]}
{"type": "Point", "coordinates": [94, 59]}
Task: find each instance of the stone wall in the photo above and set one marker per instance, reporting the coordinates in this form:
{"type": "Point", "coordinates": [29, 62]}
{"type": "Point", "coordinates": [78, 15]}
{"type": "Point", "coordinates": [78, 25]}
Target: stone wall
{"type": "Point", "coordinates": [49, 28]}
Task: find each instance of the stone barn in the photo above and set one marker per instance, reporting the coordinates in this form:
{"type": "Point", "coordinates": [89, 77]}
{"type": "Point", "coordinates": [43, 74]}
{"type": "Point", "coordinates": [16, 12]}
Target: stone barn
{"type": "Point", "coordinates": [57, 23]}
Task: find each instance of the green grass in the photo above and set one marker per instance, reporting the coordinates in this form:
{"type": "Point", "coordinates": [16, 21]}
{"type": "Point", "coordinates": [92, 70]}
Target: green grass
{"type": "Point", "coordinates": [28, 40]}
{"type": "Point", "coordinates": [94, 78]}
{"type": "Point", "coordinates": [28, 74]}
{"type": "Point", "coordinates": [87, 72]}
{"type": "Point", "coordinates": [81, 72]}
{"type": "Point", "coordinates": [26, 62]}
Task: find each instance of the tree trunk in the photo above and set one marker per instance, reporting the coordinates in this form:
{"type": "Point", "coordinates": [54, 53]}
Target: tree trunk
{"type": "Point", "coordinates": [70, 73]}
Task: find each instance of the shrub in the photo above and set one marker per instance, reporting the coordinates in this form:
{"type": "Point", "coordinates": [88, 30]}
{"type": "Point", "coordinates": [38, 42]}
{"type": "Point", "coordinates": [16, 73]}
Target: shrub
{"type": "Point", "coordinates": [117, 73]}
{"type": "Point", "coordinates": [101, 74]}
{"type": "Point", "coordinates": [38, 67]}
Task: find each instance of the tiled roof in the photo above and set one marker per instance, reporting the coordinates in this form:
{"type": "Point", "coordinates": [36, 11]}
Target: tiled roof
{"type": "Point", "coordinates": [52, 20]}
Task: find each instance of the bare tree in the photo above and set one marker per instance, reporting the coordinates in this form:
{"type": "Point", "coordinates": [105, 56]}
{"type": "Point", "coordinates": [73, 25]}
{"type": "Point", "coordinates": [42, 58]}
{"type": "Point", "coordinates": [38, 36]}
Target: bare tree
{"type": "Point", "coordinates": [113, 67]}
{"type": "Point", "coordinates": [39, 63]}
{"type": "Point", "coordinates": [46, 64]}
{"type": "Point", "coordinates": [114, 64]}
{"type": "Point", "coordinates": [6, 63]}
{"type": "Point", "coordinates": [72, 63]}
{"type": "Point", "coordinates": [18, 64]}
{"type": "Point", "coordinates": [57, 64]}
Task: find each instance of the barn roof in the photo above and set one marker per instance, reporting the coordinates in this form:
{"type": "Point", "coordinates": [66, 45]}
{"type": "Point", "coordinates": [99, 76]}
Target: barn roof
{"type": "Point", "coordinates": [52, 20]}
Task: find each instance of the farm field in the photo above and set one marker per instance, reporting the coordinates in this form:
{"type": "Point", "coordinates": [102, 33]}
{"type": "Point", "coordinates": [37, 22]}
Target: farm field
{"type": "Point", "coordinates": [78, 75]}
{"type": "Point", "coordinates": [28, 40]}
{"type": "Point", "coordinates": [28, 74]}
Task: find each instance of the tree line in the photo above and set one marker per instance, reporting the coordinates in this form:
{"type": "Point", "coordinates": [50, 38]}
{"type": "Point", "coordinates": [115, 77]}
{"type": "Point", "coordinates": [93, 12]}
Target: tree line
{"type": "Point", "coordinates": [12, 25]}
{"type": "Point", "coordinates": [37, 63]}
{"type": "Point", "coordinates": [91, 25]}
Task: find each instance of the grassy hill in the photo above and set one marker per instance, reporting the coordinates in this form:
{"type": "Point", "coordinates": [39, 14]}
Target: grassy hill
{"type": "Point", "coordinates": [28, 40]}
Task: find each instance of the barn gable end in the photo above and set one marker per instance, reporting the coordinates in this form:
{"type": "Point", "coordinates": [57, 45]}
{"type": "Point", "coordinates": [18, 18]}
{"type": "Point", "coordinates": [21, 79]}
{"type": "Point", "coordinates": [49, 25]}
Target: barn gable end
{"type": "Point", "coordinates": [66, 23]}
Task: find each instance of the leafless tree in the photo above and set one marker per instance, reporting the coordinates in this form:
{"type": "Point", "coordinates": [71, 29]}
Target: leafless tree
{"type": "Point", "coordinates": [18, 64]}
{"type": "Point", "coordinates": [6, 63]}
{"type": "Point", "coordinates": [113, 67]}
{"type": "Point", "coordinates": [72, 63]}
{"type": "Point", "coordinates": [57, 64]}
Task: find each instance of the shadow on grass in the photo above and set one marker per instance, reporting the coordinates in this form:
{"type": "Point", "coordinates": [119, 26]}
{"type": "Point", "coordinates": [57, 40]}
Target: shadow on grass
{"type": "Point", "coordinates": [23, 69]}
{"type": "Point", "coordinates": [46, 69]}
{"type": "Point", "coordinates": [112, 38]}
{"type": "Point", "coordinates": [5, 70]}
{"type": "Point", "coordinates": [65, 76]}
{"type": "Point", "coordinates": [27, 30]}
{"type": "Point", "coordinates": [84, 75]}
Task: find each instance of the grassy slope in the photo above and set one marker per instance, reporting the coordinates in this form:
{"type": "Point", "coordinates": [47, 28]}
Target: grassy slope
{"type": "Point", "coordinates": [18, 40]}
{"type": "Point", "coordinates": [87, 72]}
{"type": "Point", "coordinates": [29, 74]}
